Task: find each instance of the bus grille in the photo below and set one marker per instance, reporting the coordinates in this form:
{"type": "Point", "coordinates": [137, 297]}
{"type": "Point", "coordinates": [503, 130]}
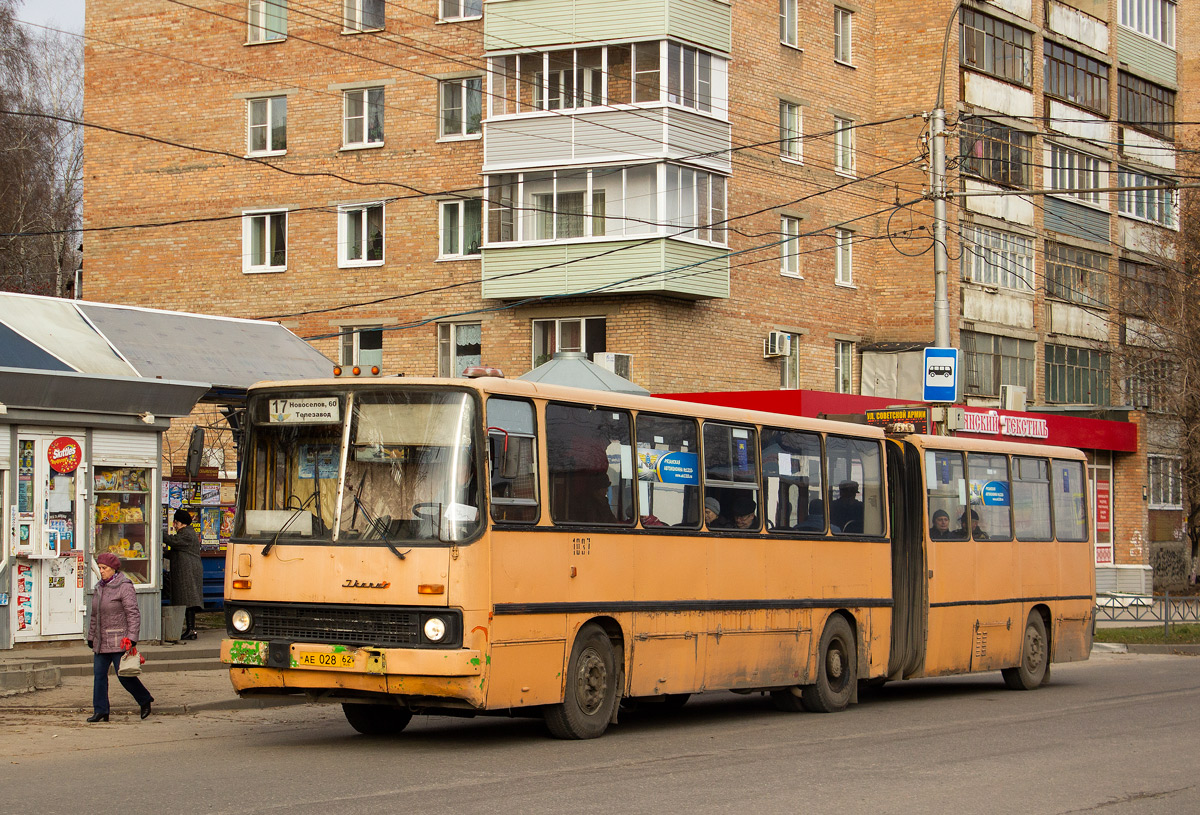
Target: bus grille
{"type": "Point", "coordinates": [357, 626]}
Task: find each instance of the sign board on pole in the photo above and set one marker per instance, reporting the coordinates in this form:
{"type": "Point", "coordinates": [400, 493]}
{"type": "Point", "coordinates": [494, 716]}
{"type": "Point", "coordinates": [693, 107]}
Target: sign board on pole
{"type": "Point", "coordinates": [941, 375]}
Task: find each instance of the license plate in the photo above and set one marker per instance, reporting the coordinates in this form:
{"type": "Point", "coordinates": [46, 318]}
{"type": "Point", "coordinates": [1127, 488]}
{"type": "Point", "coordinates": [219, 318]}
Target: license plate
{"type": "Point", "coordinates": [327, 661]}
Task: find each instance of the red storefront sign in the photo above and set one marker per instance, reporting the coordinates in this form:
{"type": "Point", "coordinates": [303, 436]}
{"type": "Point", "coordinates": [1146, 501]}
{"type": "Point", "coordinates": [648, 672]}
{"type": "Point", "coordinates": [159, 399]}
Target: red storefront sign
{"type": "Point", "coordinates": [64, 454]}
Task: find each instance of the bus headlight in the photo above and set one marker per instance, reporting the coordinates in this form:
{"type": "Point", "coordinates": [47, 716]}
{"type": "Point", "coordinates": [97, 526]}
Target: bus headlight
{"type": "Point", "coordinates": [435, 629]}
{"type": "Point", "coordinates": [241, 620]}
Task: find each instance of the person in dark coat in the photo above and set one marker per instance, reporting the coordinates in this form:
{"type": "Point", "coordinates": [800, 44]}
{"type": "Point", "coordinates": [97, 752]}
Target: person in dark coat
{"type": "Point", "coordinates": [115, 620]}
{"type": "Point", "coordinates": [187, 570]}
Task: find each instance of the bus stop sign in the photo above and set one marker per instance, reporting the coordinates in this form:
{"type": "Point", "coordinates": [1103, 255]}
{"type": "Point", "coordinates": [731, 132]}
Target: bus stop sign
{"type": "Point", "coordinates": [941, 375]}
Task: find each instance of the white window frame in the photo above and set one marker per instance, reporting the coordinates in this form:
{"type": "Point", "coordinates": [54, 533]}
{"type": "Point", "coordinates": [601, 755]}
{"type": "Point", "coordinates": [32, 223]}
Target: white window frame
{"type": "Point", "coordinates": [791, 131]}
{"type": "Point", "coordinates": [843, 147]}
{"type": "Point", "coordinates": [462, 7]}
{"type": "Point", "coordinates": [843, 36]}
{"type": "Point", "coordinates": [448, 356]}
{"type": "Point", "coordinates": [458, 206]}
{"type": "Point", "coordinates": [266, 216]}
{"type": "Point", "coordinates": [843, 262]}
{"type": "Point", "coordinates": [789, 249]}
{"type": "Point", "coordinates": [789, 23]}
{"type": "Point", "coordinates": [789, 369]}
{"type": "Point", "coordinates": [462, 90]}
{"type": "Point", "coordinates": [1165, 482]}
{"type": "Point", "coordinates": [366, 94]}
{"type": "Point", "coordinates": [351, 350]}
{"type": "Point", "coordinates": [344, 213]}
{"type": "Point", "coordinates": [1068, 169]}
{"type": "Point", "coordinates": [1154, 19]}
{"type": "Point", "coordinates": [558, 327]}
{"type": "Point", "coordinates": [354, 14]}
{"type": "Point", "coordinates": [258, 28]}
{"type": "Point", "coordinates": [267, 126]}
{"type": "Point", "coordinates": [994, 257]}
{"type": "Point", "coordinates": [1159, 207]}
{"type": "Point", "coordinates": [843, 366]}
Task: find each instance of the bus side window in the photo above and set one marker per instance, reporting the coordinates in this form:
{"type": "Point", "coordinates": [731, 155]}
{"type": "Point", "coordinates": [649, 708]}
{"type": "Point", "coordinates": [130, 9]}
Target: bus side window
{"type": "Point", "coordinates": [731, 475]}
{"type": "Point", "coordinates": [668, 465]}
{"type": "Point", "coordinates": [792, 481]}
{"type": "Point", "coordinates": [1070, 500]}
{"type": "Point", "coordinates": [855, 480]}
{"type": "Point", "coordinates": [590, 464]}
{"type": "Point", "coordinates": [946, 487]}
{"type": "Point", "coordinates": [512, 457]}
{"type": "Point", "coordinates": [990, 497]}
{"type": "Point", "coordinates": [1031, 499]}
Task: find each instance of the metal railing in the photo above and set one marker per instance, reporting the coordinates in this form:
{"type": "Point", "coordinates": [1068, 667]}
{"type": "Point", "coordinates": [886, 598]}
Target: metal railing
{"type": "Point", "coordinates": [1146, 608]}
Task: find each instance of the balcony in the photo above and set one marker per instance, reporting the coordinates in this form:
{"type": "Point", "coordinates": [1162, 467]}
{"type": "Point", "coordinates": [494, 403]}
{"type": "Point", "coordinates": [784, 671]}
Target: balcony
{"type": "Point", "coordinates": [512, 24]}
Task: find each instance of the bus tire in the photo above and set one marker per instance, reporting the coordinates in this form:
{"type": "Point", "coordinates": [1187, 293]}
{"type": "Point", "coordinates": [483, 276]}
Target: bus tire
{"type": "Point", "coordinates": [377, 720]}
{"type": "Point", "coordinates": [1035, 657]}
{"type": "Point", "coordinates": [837, 669]}
{"type": "Point", "coordinates": [590, 692]}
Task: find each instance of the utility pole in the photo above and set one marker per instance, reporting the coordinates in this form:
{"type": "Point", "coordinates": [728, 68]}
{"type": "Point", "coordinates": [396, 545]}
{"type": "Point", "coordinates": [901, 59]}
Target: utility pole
{"type": "Point", "coordinates": [937, 191]}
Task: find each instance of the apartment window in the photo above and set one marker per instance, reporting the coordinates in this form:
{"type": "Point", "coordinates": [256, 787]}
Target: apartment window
{"type": "Point", "coordinates": [462, 227]}
{"type": "Point", "coordinates": [266, 125]}
{"type": "Point", "coordinates": [363, 346]}
{"type": "Point", "coordinates": [646, 72]}
{"type": "Point", "coordinates": [790, 121]}
{"type": "Point", "coordinates": [843, 258]}
{"type": "Point", "coordinates": [843, 146]}
{"type": "Point", "coordinates": [364, 117]}
{"type": "Point", "coordinates": [1150, 18]}
{"type": "Point", "coordinates": [1076, 78]}
{"type": "Point", "coordinates": [993, 257]}
{"type": "Point", "coordinates": [460, 345]}
{"type": "Point", "coordinates": [361, 235]}
{"type": "Point", "coordinates": [461, 9]}
{"type": "Point", "coordinates": [363, 15]}
{"type": "Point", "coordinates": [789, 372]}
{"type": "Point", "coordinates": [1078, 172]}
{"type": "Point", "coordinates": [1149, 381]}
{"type": "Point", "coordinates": [583, 334]}
{"type": "Point", "coordinates": [264, 241]}
{"type": "Point", "coordinates": [1144, 289]}
{"type": "Point", "coordinates": [1157, 206]}
{"type": "Point", "coordinates": [789, 250]}
{"type": "Point", "coordinates": [1076, 376]}
{"type": "Point", "coordinates": [462, 107]}
{"type": "Point", "coordinates": [995, 152]}
{"type": "Point", "coordinates": [695, 203]}
{"type": "Point", "coordinates": [842, 38]}
{"type": "Point", "coordinates": [788, 19]}
{"type": "Point", "coordinates": [266, 20]}
{"type": "Point", "coordinates": [1166, 483]}
{"type": "Point", "coordinates": [843, 366]}
{"type": "Point", "coordinates": [1077, 275]}
{"type": "Point", "coordinates": [995, 47]}
{"type": "Point", "coordinates": [992, 360]}
{"type": "Point", "coordinates": [1146, 106]}
{"type": "Point", "coordinates": [689, 77]}
{"type": "Point", "coordinates": [563, 80]}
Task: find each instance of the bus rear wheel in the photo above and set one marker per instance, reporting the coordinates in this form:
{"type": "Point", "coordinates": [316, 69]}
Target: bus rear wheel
{"type": "Point", "coordinates": [377, 720]}
{"type": "Point", "coordinates": [591, 688]}
{"type": "Point", "coordinates": [1035, 657]}
{"type": "Point", "coordinates": [837, 669]}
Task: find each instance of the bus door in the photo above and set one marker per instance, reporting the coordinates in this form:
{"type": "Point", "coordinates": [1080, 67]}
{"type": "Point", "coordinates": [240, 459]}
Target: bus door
{"type": "Point", "coordinates": [910, 609]}
{"type": "Point", "coordinates": [951, 564]}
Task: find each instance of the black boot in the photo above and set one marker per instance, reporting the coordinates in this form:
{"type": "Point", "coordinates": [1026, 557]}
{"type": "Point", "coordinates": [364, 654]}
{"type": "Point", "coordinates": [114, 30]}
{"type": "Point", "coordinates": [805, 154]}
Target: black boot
{"type": "Point", "coordinates": [98, 717]}
{"type": "Point", "coordinates": [189, 635]}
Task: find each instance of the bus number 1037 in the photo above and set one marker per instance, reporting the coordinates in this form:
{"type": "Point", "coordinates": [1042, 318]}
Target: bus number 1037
{"type": "Point", "coordinates": [583, 546]}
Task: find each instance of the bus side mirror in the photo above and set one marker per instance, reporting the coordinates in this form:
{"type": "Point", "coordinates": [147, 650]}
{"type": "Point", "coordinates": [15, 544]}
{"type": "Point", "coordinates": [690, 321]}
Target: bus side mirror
{"type": "Point", "coordinates": [506, 462]}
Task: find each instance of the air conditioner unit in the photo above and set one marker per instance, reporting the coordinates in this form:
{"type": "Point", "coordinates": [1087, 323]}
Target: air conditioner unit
{"type": "Point", "coordinates": [777, 344]}
{"type": "Point", "coordinates": [1012, 397]}
{"type": "Point", "coordinates": [618, 364]}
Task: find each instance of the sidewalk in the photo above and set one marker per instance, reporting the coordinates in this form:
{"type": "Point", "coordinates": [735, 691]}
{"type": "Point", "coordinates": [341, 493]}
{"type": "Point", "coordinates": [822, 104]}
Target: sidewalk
{"type": "Point", "coordinates": [183, 677]}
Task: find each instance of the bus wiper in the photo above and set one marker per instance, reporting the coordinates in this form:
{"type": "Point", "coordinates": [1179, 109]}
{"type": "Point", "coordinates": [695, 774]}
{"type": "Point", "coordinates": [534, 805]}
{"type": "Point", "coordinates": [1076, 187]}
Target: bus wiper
{"type": "Point", "coordinates": [378, 525]}
{"type": "Point", "coordinates": [288, 523]}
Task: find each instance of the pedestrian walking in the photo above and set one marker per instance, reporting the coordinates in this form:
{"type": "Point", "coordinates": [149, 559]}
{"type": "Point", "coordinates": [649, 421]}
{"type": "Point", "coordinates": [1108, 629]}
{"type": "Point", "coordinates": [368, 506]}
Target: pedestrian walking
{"type": "Point", "coordinates": [115, 620]}
{"type": "Point", "coordinates": [187, 570]}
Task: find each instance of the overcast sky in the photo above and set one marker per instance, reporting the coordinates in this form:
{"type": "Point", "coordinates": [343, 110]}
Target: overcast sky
{"type": "Point", "coordinates": [64, 14]}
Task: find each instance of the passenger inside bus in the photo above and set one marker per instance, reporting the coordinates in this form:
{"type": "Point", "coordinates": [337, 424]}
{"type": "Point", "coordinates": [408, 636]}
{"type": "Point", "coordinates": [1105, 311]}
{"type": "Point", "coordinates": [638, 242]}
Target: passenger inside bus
{"type": "Point", "coordinates": [941, 526]}
{"type": "Point", "coordinates": [846, 511]}
{"type": "Point", "coordinates": [977, 531]}
{"type": "Point", "coordinates": [712, 510]}
{"type": "Point", "coordinates": [815, 522]}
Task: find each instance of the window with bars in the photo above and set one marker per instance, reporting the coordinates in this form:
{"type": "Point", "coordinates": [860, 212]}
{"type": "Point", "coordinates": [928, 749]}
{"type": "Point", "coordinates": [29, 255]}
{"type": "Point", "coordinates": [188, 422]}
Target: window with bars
{"type": "Point", "coordinates": [993, 257]}
{"type": "Point", "coordinates": [1076, 78]}
{"type": "Point", "coordinates": [1078, 376]}
{"type": "Point", "coordinates": [995, 152]}
{"type": "Point", "coordinates": [1166, 483]}
{"type": "Point", "coordinates": [1145, 106]}
{"type": "Point", "coordinates": [991, 360]}
{"type": "Point", "coordinates": [1151, 18]}
{"type": "Point", "coordinates": [1077, 275]}
{"type": "Point", "coordinates": [1154, 205]}
{"type": "Point", "coordinates": [996, 47]}
{"type": "Point", "coordinates": [1078, 174]}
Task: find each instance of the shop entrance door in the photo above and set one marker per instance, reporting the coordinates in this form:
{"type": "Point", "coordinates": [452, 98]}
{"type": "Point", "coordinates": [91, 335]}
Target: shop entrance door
{"type": "Point", "coordinates": [47, 535]}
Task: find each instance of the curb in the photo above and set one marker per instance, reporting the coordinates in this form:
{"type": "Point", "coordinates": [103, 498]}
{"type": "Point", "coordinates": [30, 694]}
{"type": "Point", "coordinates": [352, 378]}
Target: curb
{"type": "Point", "coordinates": [166, 710]}
{"type": "Point", "coordinates": [1181, 649]}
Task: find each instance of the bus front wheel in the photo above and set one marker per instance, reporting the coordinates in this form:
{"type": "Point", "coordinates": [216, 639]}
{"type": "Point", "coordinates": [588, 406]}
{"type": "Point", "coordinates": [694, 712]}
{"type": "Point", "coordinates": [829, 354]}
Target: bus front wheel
{"type": "Point", "coordinates": [590, 693]}
{"type": "Point", "coordinates": [377, 720]}
{"type": "Point", "coordinates": [1035, 657]}
{"type": "Point", "coordinates": [837, 669]}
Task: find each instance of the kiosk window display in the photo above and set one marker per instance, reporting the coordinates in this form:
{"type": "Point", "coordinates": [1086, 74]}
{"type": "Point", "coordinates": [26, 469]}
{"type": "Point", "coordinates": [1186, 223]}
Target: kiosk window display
{"type": "Point", "coordinates": [123, 517]}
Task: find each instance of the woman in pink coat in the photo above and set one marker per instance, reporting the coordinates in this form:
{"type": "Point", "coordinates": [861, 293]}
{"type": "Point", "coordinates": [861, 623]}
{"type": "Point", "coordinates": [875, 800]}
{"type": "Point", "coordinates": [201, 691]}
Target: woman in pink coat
{"type": "Point", "coordinates": [115, 617]}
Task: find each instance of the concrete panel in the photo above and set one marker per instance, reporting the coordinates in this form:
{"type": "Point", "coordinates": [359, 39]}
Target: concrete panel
{"type": "Point", "coordinates": [1014, 208]}
{"type": "Point", "coordinates": [997, 307]}
{"type": "Point", "coordinates": [1021, 8]}
{"type": "Point", "coordinates": [996, 95]}
{"type": "Point", "coordinates": [1077, 26]}
{"type": "Point", "coordinates": [1073, 321]}
{"type": "Point", "coordinates": [1146, 148]}
{"type": "Point", "coordinates": [1066, 119]}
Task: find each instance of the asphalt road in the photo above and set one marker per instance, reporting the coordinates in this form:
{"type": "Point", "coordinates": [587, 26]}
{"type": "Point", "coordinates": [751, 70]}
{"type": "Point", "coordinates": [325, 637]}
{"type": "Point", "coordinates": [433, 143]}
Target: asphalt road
{"type": "Point", "coordinates": [1116, 734]}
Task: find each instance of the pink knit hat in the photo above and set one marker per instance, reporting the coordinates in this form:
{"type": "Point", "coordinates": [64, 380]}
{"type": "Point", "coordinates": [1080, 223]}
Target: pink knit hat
{"type": "Point", "coordinates": [110, 560]}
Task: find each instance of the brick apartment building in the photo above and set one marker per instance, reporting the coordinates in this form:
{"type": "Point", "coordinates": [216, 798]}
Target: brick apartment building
{"type": "Point", "coordinates": [722, 196]}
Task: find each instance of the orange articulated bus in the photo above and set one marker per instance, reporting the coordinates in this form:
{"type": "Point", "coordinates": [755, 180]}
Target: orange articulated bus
{"type": "Point", "coordinates": [476, 546]}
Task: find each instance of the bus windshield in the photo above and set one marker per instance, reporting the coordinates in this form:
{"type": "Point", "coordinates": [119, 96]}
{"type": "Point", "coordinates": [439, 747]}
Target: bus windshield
{"type": "Point", "coordinates": [369, 466]}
